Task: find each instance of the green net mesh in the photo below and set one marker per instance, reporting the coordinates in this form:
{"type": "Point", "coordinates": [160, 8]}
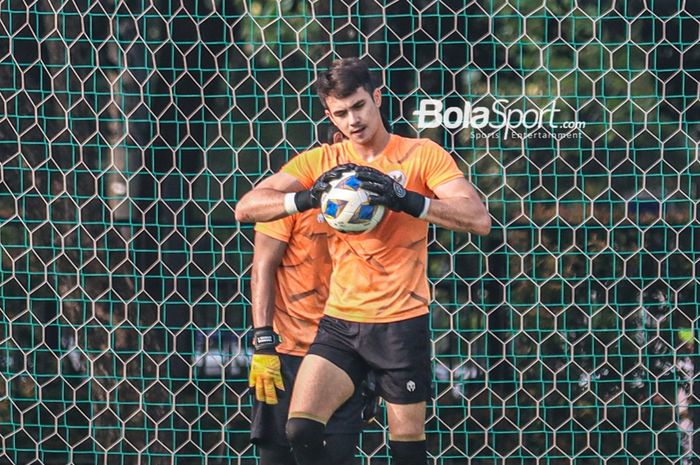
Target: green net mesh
{"type": "Point", "coordinates": [128, 130]}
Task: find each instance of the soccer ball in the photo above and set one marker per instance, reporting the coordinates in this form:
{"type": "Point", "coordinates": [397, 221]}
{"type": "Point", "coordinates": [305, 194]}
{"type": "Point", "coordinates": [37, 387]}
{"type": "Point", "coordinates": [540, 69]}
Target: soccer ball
{"type": "Point", "coordinates": [346, 207]}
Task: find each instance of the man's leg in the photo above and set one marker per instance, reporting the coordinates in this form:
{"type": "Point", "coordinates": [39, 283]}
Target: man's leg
{"type": "Point", "coordinates": [341, 448]}
{"type": "Point", "coordinates": [320, 388]}
{"type": "Point", "coordinates": [407, 433]}
{"type": "Point", "coordinates": [271, 454]}
{"type": "Point", "coordinates": [343, 431]}
{"type": "Point", "coordinates": [268, 422]}
{"type": "Point", "coordinates": [399, 352]}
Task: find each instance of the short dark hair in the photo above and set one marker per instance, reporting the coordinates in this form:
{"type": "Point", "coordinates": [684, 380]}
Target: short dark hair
{"type": "Point", "coordinates": [343, 78]}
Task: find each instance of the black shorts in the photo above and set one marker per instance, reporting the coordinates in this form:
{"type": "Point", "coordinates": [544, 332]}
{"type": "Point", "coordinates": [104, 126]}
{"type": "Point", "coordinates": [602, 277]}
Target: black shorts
{"type": "Point", "coordinates": [269, 421]}
{"type": "Point", "coordinates": [398, 353]}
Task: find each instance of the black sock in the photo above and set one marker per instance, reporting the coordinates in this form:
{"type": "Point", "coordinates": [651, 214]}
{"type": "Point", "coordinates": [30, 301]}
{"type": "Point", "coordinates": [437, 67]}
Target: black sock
{"type": "Point", "coordinates": [341, 448]}
{"type": "Point", "coordinates": [409, 452]}
{"type": "Point", "coordinates": [275, 455]}
{"type": "Point", "coordinates": [306, 438]}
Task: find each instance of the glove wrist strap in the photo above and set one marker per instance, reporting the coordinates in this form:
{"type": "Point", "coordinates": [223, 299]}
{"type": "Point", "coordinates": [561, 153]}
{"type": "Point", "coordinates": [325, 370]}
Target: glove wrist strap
{"type": "Point", "coordinates": [426, 207]}
{"type": "Point", "coordinates": [290, 205]}
{"type": "Point", "coordinates": [302, 201]}
{"type": "Point", "coordinates": [414, 204]}
{"type": "Point", "coordinates": [265, 339]}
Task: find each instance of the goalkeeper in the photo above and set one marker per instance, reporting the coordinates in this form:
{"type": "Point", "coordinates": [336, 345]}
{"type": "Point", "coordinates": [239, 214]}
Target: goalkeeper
{"type": "Point", "coordinates": [376, 315]}
{"type": "Point", "coordinates": [291, 268]}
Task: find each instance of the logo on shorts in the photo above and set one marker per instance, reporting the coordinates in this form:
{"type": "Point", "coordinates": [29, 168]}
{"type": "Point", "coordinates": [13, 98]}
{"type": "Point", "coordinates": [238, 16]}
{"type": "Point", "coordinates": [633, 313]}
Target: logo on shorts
{"type": "Point", "coordinates": [411, 386]}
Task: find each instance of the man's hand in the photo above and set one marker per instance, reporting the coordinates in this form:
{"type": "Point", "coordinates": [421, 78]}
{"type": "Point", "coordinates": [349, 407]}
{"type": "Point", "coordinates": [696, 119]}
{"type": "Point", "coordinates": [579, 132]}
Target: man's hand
{"type": "Point", "coordinates": [265, 376]}
{"type": "Point", "coordinates": [385, 191]}
{"type": "Point", "coordinates": [311, 198]}
{"type": "Point", "coordinates": [265, 367]}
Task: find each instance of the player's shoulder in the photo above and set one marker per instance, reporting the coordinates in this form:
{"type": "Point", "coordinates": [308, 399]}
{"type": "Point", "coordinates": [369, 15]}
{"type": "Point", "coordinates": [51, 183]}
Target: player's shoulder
{"type": "Point", "coordinates": [311, 154]}
{"type": "Point", "coordinates": [308, 161]}
{"type": "Point", "coordinates": [324, 152]}
{"type": "Point", "coordinates": [431, 146]}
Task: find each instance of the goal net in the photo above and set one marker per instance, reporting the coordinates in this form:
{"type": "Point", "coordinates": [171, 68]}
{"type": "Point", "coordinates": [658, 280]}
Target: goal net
{"type": "Point", "coordinates": [130, 128]}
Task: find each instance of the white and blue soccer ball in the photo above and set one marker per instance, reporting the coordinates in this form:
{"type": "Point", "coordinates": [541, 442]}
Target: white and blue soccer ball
{"type": "Point", "coordinates": [346, 208]}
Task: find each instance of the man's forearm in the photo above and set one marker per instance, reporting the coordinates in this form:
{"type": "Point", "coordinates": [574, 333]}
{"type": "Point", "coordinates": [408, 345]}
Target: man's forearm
{"type": "Point", "coordinates": [263, 288]}
{"type": "Point", "coordinates": [459, 214]}
{"type": "Point", "coordinates": [267, 258]}
{"type": "Point", "coordinates": [261, 205]}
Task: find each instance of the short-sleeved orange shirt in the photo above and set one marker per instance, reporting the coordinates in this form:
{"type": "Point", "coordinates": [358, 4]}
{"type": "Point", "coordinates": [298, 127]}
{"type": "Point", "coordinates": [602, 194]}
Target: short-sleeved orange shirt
{"type": "Point", "coordinates": [380, 276]}
{"type": "Point", "coordinates": [302, 278]}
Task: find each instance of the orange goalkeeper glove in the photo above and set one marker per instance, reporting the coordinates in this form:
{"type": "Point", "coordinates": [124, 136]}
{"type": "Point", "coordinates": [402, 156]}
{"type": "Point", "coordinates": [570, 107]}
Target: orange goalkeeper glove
{"type": "Point", "coordinates": [266, 367]}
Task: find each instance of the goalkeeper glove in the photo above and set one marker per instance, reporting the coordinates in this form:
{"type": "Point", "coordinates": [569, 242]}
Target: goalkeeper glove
{"type": "Point", "coordinates": [385, 191]}
{"type": "Point", "coordinates": [265, 367]}
{"type": "Point", "coordinates": [370, 398]}
{"type": "Point", "coordinates": [311, 198]}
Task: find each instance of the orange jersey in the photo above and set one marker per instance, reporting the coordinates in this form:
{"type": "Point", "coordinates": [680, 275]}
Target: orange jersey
{"type": "Point", "coordinates": [302, 278]}
{"type": "Point", "coordinates": [380, 275]}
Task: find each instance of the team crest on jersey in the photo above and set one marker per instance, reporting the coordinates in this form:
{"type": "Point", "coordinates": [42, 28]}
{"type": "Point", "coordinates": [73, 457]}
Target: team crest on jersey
{"type": "Point", "coordinates": [398, 176]}
{"type": "Point", "coordinates": [319, 218]}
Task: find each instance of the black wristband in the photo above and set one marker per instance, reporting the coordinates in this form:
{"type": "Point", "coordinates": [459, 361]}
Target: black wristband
{"type": "Point", "coordinates": [265, 339]}
{"type": "Point", "coordinates": [303, 201]}
{"type": "Point", "coordinates": [413, 203]}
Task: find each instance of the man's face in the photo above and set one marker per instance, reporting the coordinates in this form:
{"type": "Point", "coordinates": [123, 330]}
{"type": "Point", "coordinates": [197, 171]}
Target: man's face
{"type": "Point", "coordinates": [357, 116]}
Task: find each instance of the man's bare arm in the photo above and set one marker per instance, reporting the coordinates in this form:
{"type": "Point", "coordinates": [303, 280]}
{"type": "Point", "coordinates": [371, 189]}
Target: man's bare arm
{"type": "Point", "coordinates": [459, 208]}
{"type": "Point", "coordinates": [267, 257]}
{"type": "Point", "coordinates": [265, 202]}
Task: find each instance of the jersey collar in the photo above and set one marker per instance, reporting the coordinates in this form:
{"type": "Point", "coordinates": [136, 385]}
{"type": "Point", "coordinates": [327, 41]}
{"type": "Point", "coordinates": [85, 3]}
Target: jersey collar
{"type": "Point", "coordinates": [387, 154]}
